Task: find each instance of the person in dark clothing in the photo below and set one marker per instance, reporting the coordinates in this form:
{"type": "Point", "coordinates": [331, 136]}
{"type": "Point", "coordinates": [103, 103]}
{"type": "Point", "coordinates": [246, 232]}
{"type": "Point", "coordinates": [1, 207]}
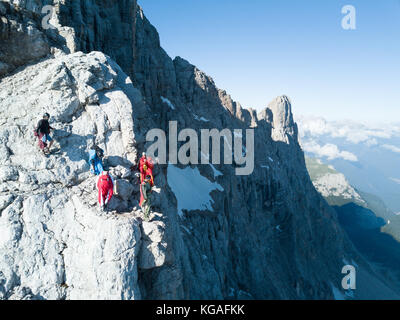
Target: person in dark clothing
{"type": "Point", "coordinates": [43, 133]}
{"type": "Point", "coordinates": [145, 196]}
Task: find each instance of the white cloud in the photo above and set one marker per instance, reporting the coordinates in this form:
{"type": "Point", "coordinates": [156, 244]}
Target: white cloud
{"type": "Point", "coordinates": [313, 126]}
{"type": "Point", "coordinates": [351, 131]}
{"type": "Point", "coordinates": [371, 142]}
{"type": "Point", "coordinates": [391, 148]}
{"type": "Point", "coordinates": [395, 180]}
{"type": "Point", "coordinates": [329, 151]}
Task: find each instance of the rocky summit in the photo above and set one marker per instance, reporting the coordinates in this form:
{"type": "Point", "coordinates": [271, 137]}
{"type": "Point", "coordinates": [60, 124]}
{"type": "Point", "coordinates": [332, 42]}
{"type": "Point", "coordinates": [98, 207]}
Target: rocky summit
{"type": "Point", "coordinates": [102, 75]}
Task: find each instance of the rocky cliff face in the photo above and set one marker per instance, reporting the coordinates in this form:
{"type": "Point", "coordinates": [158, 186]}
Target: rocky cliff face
{"type": "Point", "coordinates": [29, 32]}
{"type": "Point", "coordinates": [331, 184]}
{"type": "Point", "coordinates": [214, 235]}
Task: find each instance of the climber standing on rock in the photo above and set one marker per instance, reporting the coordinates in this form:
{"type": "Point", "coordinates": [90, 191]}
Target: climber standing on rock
{"type": "Point", "coordinates": [96, 155]}
{"type": "Point", "coordinates": [42, 131]}
{"type": "Point", "coordinates": [105, 185]}
{"type": "Point", "coordinates": [145, 196]}
{"type": "Point", "coordinates": [146, 166]}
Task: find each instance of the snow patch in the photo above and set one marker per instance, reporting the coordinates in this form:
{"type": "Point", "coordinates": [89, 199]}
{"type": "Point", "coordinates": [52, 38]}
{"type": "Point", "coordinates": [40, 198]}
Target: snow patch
{"type": "Point", "coordinates": [169, 103]}
{"type": "Point", "coordinates": [200, 118]}
{"type": "Point", "coordinates": [186, 229]}
{"type": "Point", "coordinates": [191, 189]}
{"type": "Point", "coordinates": [217, 173]}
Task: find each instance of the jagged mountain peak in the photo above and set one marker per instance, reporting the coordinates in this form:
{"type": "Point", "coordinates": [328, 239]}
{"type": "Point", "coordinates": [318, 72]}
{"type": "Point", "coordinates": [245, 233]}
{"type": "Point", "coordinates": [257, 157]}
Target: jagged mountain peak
{"type": "Point", "coordinates": [213, 234]}
{"type": "Point", "coordinates": [281, 108]}
{"type": "Point", "coordinates": [279, 114]}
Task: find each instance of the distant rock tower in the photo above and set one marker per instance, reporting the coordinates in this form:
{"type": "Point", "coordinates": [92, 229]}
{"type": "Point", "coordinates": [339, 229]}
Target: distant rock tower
{"type": "Point", "coordinates": [279, 114]}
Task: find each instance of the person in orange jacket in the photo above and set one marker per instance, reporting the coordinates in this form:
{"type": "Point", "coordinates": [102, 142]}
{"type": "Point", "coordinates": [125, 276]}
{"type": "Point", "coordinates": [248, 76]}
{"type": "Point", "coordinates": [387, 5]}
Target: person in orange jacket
{"type": "Point", "coordinates": [146, 167]}
{"type": "Point", "coordinates": [105, 185]}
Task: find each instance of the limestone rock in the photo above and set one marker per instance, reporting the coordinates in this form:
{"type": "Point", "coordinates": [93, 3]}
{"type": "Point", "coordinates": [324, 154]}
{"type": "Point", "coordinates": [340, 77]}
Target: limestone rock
{"type": "Point", "coordinates": [21, 41]}
{"type": "Point", "coordinates": [125, 189]}
{"type": "Point", "coordinates": [54, 244]}
{"type": "Point", "coordinates": [153, 251]}
{"type": "Point", "coordinates": [281, 117]}
{"type": "Point", "coordinates": [269, 235]}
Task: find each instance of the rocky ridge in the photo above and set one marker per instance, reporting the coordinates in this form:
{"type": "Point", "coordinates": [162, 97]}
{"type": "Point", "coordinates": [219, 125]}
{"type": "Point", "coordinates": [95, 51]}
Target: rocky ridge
{"type": "Point", "coordinates": [269, 235]}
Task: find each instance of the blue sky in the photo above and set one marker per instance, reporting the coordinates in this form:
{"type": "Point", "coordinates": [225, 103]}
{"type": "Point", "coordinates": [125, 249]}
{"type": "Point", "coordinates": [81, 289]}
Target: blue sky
{"type": "Point", "coordinates": [259, 49]}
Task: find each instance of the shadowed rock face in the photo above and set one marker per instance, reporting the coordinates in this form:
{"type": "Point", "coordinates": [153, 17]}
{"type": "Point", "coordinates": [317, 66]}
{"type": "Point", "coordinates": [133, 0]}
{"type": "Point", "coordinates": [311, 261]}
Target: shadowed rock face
{"type": "Point", "coordinates": [20, 40]}
{"type": "Point", "coordinates": [107, 26]}
{"type": "Point", "coordinates": [269, 235]}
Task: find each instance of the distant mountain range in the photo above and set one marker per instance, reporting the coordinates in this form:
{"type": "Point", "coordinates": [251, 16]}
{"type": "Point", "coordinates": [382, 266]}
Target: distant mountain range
{"type": "Point", "coordinates": [373, 228]}
{"type": "Point", "coordinates": [369, 156]}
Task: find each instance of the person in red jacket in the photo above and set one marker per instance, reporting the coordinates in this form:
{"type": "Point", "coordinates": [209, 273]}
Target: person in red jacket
{"type": "Point", "coordinates": [105, 185]}
{"type": "Point", "coordinates": [146, 167]}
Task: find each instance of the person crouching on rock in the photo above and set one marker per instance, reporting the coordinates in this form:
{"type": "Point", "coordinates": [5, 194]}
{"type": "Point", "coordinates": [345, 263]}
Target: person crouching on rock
{"type": "Point", "coordinates": [145, 196]}
{"type": "Point", "coordinates": [146, 166]}
{"type": "Point", "coordinates": [96, 155]}
{"type": "Point", "coordinates": [105, 185]}
{"type": "Point", "coordinates": [42, 131]}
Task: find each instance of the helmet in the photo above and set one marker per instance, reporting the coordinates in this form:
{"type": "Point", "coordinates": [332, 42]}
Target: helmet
{"type": "Point", "coordinates": [144, 154]}
{"type": "Point", "coordinates": [99, 152]}
{"type": "Point", "coordinates": [46, 115]}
